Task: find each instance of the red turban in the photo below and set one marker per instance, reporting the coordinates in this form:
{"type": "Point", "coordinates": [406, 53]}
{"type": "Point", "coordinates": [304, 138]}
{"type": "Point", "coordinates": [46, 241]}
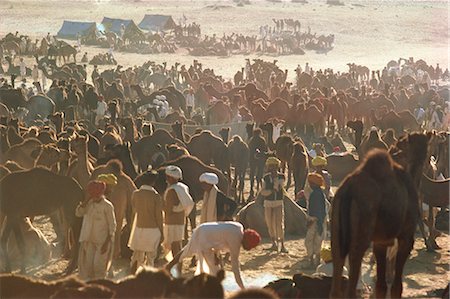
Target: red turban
{"type": "Point", "coordinates": [251, 239]}
{"type": "Point", "coordinates": [96, 189]}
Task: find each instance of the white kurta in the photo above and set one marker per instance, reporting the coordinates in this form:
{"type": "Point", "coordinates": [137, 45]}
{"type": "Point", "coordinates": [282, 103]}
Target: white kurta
{"type": "Point", "coordinates": [99, 222]}
{"type": "Point", "coordinates": [212, 237]}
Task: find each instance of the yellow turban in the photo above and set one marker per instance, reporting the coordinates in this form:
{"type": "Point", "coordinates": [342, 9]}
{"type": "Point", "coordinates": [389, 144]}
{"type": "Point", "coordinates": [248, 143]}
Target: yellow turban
{"type": "Point", "coordinates": [273, 161]}
{"type": "Point", "coordinates": [319, 161]}
{"type": "Point", "coordinates": [325, 254]}
{"type": "Point", "coordinates": [109, 179]}
{"type": "Point", "coordinates": [316, 179]}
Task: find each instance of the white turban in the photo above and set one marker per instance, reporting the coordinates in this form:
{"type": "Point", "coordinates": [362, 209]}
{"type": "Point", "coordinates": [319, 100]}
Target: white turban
{"type": "Point", "coordinates": [158, 97]}
{"type": "Point", "coordinates": [174, 171]}
{"type": "Point", "coordinates": [209, 178]}
{"type": "Point", "coordinates": [373, 129]}
{"type": "Point", "coordinates": [163, 97]}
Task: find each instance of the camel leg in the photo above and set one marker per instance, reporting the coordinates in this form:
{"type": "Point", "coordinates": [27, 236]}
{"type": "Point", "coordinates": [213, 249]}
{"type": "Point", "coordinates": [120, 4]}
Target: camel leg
{"type": "Point", "coordinates": [241, 186]}
{"type": "Point", "coordinates": [288, 185]}
{"type": "Point", "coordinates": [20, 242]}
{"type": "Point", "coordinates": [381, 285]}
{"type": "Point", "coordinates": [404, 248]}
{"type": "Point", "coordinates": [355, 259]}
{"type": "Point", "coordinates": [252, 180]}
{"type": "Point", "coordinates": [336, 286]}
{"type": "Point", "coordinates": [432, 229]}
{"type": "Point", "coordinates": [4, 244]}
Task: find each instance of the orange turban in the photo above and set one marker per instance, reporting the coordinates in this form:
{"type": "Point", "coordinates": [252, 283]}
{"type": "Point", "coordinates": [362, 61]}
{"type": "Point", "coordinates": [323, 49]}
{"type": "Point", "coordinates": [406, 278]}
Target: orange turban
{"type": "Point", "coordinates": [96, 189]}
{"type": "Point", "coordinates": [316, 179]}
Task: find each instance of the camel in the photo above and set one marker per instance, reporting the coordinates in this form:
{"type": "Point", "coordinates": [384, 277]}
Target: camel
{"type": "Point", "coordinates": [80, 169]}
{"type": "Point", "coordinates": [148, 148]}
{"type": "Point", "coordinates": [66, 51]}
{"type": "Point", "coordinates": [436, 194]}
{"type": "Point", "coordinates": [359, 216]}
{"type": "Point", "coordinates": [219, 113]}
{"type": "Point", "coordinates": [284, 148]}
{"type": "Point", "coordinates": [122, 152]}
{"type": "Point", "coordinates": [18, 286]}
{"type": "Point", "coordinates": [37, 249]}
{"type": "Point", "coordinates": [300, 165]}
{"type": "Point", "coordinates": [239, 156]}
{"type": "Point", "coordinates": [210, 149]}
{"type": "Point", "coordinates": [341, 165]}
{"type": "Point", "coordinates": [13, 135]}
{"type": "Point", "coordinates": [4, 111]}
{"type": "Point", "coordinates": [175, 151]}
{"type": "Point", "coordinates": [389, 137]}
{"type": "Point", "coordinates": [11, 46]}
{"type": "Point", "coordinates": [110, 137]}
{"type": "Point", "coordinates": [42, 196]}
{"type": "Point", "coordinates": [371, 141]}
{"type": "Point", "coordinates": [257, 147]}
{"type": "Point", "coordinates": [252, 216]}
{"type": "Point", "coordinates": [39, 106]}
{"type": "Point", "coordinates": [12, 98]}
{"type": "Point", "coordinates": [170, 118]}
{"type": "Point", "coordinates": [22, 153]}
{"type": "Point", "coordinates": [120, 197]}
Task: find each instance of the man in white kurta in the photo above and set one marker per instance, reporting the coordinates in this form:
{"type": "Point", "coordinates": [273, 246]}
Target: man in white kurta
{"type": "Point", "coordinates": [210, 238]}
{"type": "Point", "coordinates": [96, 237]}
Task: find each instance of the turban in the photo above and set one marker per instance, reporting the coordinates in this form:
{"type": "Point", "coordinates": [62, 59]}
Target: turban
{"type": "Point", "coordinates": [209, 178]}
{"type": "Point", "coordinates": [174, 171]}
{"type": "Point", "coordinates": [316, 179]}
{"type": "Point", "coordinates": [300, 194]}
{"type": "Point", "coordinates": [272, 161]}
{"type": "Point", "coordinates": [325, 254]}
{"type": "Point", "coordinates": [336, 149]}
{"type": "Point", "coordinates": [319, 161]}
{"type": "Point", "coordinates": [373, 129]}
{"type": "Point", "coordinates": [250, 239]}
{"type": "Point", "coordinates": [96, 189]}
{"type": "Point", "coordinates": [109, 179]}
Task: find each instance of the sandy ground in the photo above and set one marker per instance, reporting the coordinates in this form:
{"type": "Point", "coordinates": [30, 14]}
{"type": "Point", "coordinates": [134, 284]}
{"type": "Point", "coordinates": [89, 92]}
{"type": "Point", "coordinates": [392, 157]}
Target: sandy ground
{"type": "Point", "coordinates": [424, 274]}
{"type": "Point", "coordinates": [370, 34]}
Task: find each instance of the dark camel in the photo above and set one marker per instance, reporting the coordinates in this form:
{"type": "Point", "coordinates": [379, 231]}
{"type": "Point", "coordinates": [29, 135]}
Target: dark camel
{"type": "Point", "coordinates": [239, 154]}
{"type": "Point", "coordinates": [377, 203]}
{"type": "Point", "coordinates": [38, 192]}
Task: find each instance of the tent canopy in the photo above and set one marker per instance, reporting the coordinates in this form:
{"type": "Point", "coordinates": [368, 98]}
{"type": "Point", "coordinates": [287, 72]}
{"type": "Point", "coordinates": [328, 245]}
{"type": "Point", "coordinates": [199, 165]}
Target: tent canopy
{"type": "Point", "coordinates": [70, 29]}
{"type": "Point", "coordinates": [115, 25]}
{"type": "Point", "coordinates": [157, 23]}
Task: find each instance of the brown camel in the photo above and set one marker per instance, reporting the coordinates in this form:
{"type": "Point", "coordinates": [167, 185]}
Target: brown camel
{"type": "Point", "coordinates": [389, 137]}
{"type": "Point", "coordinates": [120, 197]}
{"type": "Point", "coordinates": [80, 169]}
{"type": "Point", "coordinates": [219, 113]}
{"type": "Point", "coordinates": [210, 149]}
{"type": "Point", "coordinates": [21, 153]}
{"type": "Point", "coordinates": [371, 141]}
{"type": "Point", "coordinates": [284, 148]}
{"type": "Point", "coordinates": [13, 135]}
{"type": "Point", "coordinates": [175, 151]}
{"type": "Point", "coordinates": [252, 216]}
{"type": "Point", "coordinates": [171, 118]}
{"type": "Point", "coordinates": [37, 249]}
{"type": "Point", "coordinates": [147, 150]}
{"type": "Point", "coordinates": [341, 165]}
{"type": "Point", "coordinates": [377, 203]}
{"type": "Point", "coordinates": [278, 108]}
{"type": "Point", "coordinates": [42, 196]}
{"type": "Point", "coordinates": [300, 165]}
{"type": "Point", "coordinates": [239, 156]}
{"type": "Point", "coordinates": [111, 137]}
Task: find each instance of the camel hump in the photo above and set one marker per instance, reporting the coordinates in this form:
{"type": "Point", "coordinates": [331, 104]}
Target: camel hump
{"type": "Point", "coordinates": [379, 164]}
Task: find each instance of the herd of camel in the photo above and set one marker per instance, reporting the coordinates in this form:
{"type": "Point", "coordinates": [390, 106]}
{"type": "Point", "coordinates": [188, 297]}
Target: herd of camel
{"type": "Point", "coordinates": [50, 147]}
